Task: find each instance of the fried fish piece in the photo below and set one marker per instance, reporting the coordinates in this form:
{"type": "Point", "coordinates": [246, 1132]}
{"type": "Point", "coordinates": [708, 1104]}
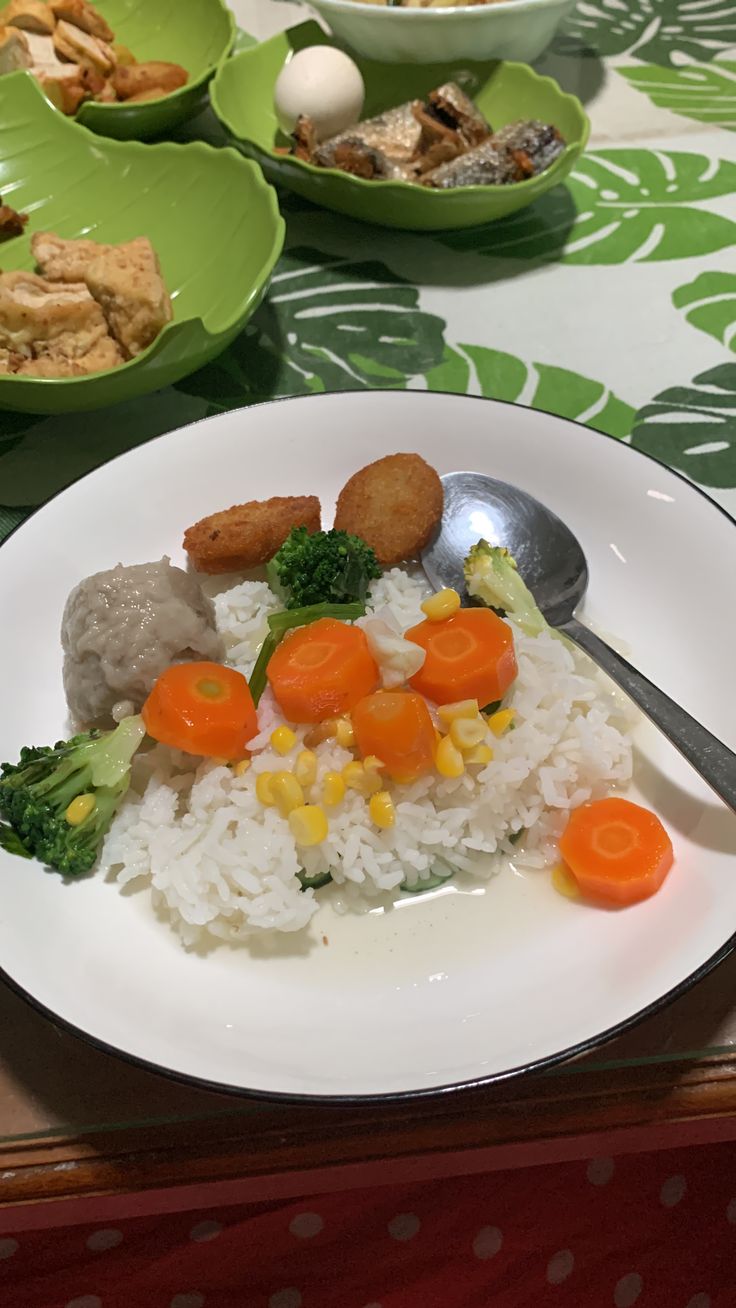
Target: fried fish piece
{"type": "Point", "coordinates": [395, 134]}
{"type": "Point", "coordinates": [487, 165]}
{"type": "Point", "coordinates": [394, 505]}
{"type": "Point", "coordinates": [351, 155]}
{"type": "Point", "coordinates": [533, 145]}
{"type": "Point", "coordinates": [132, 80]}
{"type": "Point", "coordinates": [64, 261]}
{"type": "Point", "coordinates": [126, 281]}
{"type": "Point", "coordinates": [31, 15]}
{"type": "Point", "coordinates": [248, 535]}
{"type": "Point", "coordinates": [83, 15]}
{"type": "Point", "coordinates": [80, 48]}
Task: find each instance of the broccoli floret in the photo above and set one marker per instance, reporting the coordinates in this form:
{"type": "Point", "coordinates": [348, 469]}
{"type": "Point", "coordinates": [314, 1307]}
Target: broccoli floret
{"type": "Point", "coordinates": [35, 794]}
{"type": "Point", "coordinates": [491, 575]}
{"type": "Point", "coordinates": [322, 567]}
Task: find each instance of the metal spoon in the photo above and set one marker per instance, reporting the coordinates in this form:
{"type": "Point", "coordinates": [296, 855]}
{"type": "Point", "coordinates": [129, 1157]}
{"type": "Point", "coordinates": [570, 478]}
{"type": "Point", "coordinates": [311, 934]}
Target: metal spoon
{"type": "Point", "coordinates": [552, 563]}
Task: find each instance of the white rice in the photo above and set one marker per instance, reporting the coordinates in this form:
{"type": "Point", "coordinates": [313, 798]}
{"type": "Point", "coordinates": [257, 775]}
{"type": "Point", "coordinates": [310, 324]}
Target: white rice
{"type": "Point", "coordinates": [219, 862]}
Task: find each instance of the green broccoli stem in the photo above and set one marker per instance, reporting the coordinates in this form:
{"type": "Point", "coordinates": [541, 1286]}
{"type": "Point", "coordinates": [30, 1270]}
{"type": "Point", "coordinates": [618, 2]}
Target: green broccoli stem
{"type": "Point", "coordinates": [285, 620]}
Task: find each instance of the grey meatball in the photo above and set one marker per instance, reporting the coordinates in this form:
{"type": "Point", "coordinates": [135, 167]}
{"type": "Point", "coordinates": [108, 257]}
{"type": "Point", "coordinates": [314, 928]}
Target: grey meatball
{"type": "Point", "coordinates": [122, 628]}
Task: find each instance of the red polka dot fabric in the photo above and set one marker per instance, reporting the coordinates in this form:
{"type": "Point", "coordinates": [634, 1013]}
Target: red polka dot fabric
{"type": "Point", "coordinates": [646, 1231]}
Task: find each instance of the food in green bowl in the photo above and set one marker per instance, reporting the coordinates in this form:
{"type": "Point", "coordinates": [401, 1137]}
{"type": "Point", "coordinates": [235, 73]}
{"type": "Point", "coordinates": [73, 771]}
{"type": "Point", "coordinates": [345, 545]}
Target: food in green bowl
{"type": "Point", "coordinates": [503, 95]}
{"type": "Point", "coordinates": [122, 67]}
{"type": "Point", "coordinates": [208, 214]}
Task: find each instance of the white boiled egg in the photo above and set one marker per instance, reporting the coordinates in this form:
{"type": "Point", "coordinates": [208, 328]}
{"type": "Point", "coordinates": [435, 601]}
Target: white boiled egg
{"type": "Point", "coordinates": [323, 84]}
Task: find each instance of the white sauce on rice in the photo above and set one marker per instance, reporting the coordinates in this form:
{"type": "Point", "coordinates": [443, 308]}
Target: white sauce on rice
{"type": "Point", "coordinates": [218, 862]}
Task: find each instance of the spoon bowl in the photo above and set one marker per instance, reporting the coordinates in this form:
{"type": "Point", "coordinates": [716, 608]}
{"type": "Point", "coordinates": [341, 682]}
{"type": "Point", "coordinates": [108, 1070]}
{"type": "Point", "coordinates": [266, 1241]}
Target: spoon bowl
{"type": "Point", "coordinates": [552, 563]}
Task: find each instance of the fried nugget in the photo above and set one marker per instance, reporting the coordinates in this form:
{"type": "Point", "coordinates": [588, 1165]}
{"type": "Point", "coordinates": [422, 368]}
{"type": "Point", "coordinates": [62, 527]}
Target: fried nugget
{"type": "Point", "coordinates": [394, 505]}
{"type": "Point", "coordinates": [248, 535]}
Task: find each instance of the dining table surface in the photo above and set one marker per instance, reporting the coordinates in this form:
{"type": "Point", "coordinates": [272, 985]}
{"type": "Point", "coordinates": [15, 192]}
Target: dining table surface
{"type": "Point", "coordinates": [610, 301]}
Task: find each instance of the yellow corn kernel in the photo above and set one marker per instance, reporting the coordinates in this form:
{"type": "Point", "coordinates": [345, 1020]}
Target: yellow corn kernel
{"type": "Point", "coordinates": [357, 777]}
{"type": "Point", "coordinates": [344, 733]}
{"type": "Point", "coordinates": [500, 721]}
{"type": "Point", "coordinates": [564, 882]}
{"type": "Point", "coordinates": [326, 730]}
{"type": "Point", "coordinates": [287, 792]}
{"type": "Point", "coordinates": [442, 605]}
{"type": "Point", "coordinates": [264, 794]}
{"type": "Point", "coordinates": [283, 740]}
{"type": "Point", "coordinates": [305, 768]}
{"type": "Point", "coordinates": [308, 824]}
{"type": "Point", "coordinates": [79, 809]}
{"type": "Point", "coordinates": [480, 754]}
{"type": "Point", "coordinates": [466, 733]}
{"type": "Point", "coordinates": [381, 809]}
{"type": "Point", "coordinates": [241, 768]}
{"type": "Point", "coordinates": [462, 708]}
{"type": "Point", "coordinates": [372, 763]}
{"type": "Point", "coordinates": [447, 759]}
{"type": "Point", "coordinates": [333, 789]}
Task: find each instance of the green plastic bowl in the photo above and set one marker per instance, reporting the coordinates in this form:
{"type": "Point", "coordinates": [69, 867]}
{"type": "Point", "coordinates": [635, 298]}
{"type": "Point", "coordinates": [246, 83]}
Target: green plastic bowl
{"type": "Point", "coordinates": [198, 34]}
{"type": "Point", "coordinates": [212, 219]}
{"type": "Point", "coordinates": [242, 98]}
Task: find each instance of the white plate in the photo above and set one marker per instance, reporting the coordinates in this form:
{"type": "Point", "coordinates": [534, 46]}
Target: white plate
{"type": "Point", "coordinates": [450, 988]}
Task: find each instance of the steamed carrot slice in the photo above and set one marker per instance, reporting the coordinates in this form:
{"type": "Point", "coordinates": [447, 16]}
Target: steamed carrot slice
{"type": "Point", "coordinates": [395, 726]}
{"type": "Point", "coordinates": [321, 671]}
{"type": "Point", "coordinates": [201, 708]}
{"type": "Point", "coordinates": [469, 656]}
{"type": "Point", "coordinates": [618, 852]}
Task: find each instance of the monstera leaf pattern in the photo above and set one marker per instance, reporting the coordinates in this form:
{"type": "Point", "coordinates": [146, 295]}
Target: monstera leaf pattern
{"type": "Point", "coordinates": [658, 31]}
{"type": "Point", "coordinates": [710, 305]}
{"type": "Point", "coordinates": [328, 324]}
{"type": "Point", "coordinates": [478, 370]}
{"type": "Point", "coordinates": [707, 94]}
{"type": "Point", "coordinates": [620, 206]}
{"type": "Point", "coordinates": [693, 427]}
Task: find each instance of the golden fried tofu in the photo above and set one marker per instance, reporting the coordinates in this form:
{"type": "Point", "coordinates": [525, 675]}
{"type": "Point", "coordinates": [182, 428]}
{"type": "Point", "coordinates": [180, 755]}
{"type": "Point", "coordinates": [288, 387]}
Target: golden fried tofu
{"type": "Point", "coordinates": [32, 15]}
{"type": "Point", "coordinates": [394, 505]}
{"type": "Point", "coordinates": [83, 15]}
{"type": "Point", "coordinates": [126, 281]}
{"type": "Point", "coordinates": [47, 320]}
{"type": "Point", "coordinates": [133, 81]}
{"type": "Point", "coordinates": [104, 354]}
{"type": "Point", "coordinates": [64, 85]}
{"type": "Point", "coordinates": [81, 48]}
{"type": "Point", "coordinates": [14, 50]}
{"type": "Point", "coordinates": [248, 535]}
{"type": "Point", "coordinates": [64, 261]}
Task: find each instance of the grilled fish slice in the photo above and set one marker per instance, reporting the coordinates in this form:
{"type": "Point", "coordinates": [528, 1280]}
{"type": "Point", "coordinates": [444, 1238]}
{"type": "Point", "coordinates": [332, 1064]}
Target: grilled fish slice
{"type": "Point", "coordinates": [395, 134]}
{"type": "Point", "coordinates": [534, 145]}
{"type": "Point", "coordinates": [353, 155]}
{"type": "Point", "coordinates": [486, 165]}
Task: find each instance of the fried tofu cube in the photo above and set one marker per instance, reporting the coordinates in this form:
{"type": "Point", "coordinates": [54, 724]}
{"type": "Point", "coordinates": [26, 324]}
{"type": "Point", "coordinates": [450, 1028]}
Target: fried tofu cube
{"type": "Point", "coordinates": [59, 324]}
{"type": "Point", "coordinates": [83, 15]}
{"type": "Point", "coordinates": [31, 15]}
{"type": "Point", "coordinates": [14, 50]}
{"type": "Point", "coordinates": [154, 75]}
{"type": "Point", "coordinates": [64, 261]}
{"type": "Point", "coordinates": [126, 281]}
{"type": "Point", "coordinates": [80, 48]}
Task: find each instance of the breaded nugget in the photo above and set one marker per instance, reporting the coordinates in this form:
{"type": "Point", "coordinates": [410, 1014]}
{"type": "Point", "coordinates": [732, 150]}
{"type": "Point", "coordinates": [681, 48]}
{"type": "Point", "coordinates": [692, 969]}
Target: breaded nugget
{"type": "Point", "coordinates": [394, 505]}
{"type": "Point", "coordinates": [249, 534]}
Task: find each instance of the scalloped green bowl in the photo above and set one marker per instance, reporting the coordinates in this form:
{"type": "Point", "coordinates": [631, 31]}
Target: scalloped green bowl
{"type": "Point", "coordinates": [242, 98]}
{"type": "Point", "coordinates": [213, 220]}
{"type": "Point", "coordinates": [198, 34]}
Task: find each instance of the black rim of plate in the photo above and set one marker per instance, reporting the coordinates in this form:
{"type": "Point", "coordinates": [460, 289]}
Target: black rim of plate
{"type": "Point", "coordinates": [572, 1052]}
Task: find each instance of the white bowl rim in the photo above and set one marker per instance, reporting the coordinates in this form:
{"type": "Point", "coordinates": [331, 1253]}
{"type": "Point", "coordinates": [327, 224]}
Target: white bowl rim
{"type": "Point", "coordinates": [473, 12]}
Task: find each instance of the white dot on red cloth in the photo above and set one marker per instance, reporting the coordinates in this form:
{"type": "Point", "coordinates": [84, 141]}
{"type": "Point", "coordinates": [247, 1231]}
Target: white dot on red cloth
{"type": "Point", "coordinates": [560, 1266]}
{"type": "Point", "coordinates": [306, 1225]}
{"type": "Point", "coordinates": [627, 1290]}
{"type": "Point", "coordinates": [205, 1231]}
{"type": "Point", "coordinates": [600, 1171]}
{"type": "Point", "coordinates": [98, 1241]}
{"type": "Point", "coordinates": [731, 1212]}
{"type": "Point", "coordinates": [404, 1226]}
{"type": "Point", "coordinates": [193, 1300]}
{"type": "Point", "coordinates": [8, 1247]}
{"type": "Point", "coordinates": [487, 1242]}
{"type": "Point", "coordinates": [673, 1190]}
{"type": "Point", "coordinates": [85, 1301]}
{"type": "Point", "coordinates": [290, 1298]}
{"type": "Point", "coordinates": [699, 1301]}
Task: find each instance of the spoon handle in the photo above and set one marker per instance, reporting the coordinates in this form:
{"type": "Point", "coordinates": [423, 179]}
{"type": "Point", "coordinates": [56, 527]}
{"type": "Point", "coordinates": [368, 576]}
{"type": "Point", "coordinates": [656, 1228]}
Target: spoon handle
{"type": "Point", "coordinates": [708, 755]}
